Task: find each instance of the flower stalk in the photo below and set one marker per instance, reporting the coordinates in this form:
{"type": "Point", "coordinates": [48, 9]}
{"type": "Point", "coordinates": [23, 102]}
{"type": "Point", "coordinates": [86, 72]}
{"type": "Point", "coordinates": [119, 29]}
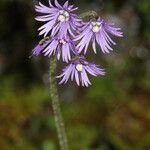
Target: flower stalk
{"type": "Point", "coordinates": [56, 106]}
{"type": "Point", "coordinates": [63, 142]}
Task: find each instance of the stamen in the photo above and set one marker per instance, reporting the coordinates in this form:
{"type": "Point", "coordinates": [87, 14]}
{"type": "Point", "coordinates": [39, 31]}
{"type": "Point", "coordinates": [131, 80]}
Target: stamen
{"type": "Point", "coordinates": [63, 16]}
{"type": "Point", "coordinates": [95, 26]}
{"type": "Point", "coordinates": [79, 67]}
{"type": "Point", "coordinates": [62, 41]}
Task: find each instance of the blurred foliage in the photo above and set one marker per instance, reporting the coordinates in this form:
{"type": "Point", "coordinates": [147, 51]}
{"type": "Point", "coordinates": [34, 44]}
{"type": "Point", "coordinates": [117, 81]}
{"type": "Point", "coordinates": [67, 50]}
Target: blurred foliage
{"type": "Point", "coordinates": [112, 114]}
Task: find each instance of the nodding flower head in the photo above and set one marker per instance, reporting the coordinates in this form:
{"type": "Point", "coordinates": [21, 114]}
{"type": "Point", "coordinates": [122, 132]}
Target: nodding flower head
{"type": "Point", "coordinates": [97, 31]}
{"type": "Point", "coordinates": [60, 46]}
{"type": "Point", "coordinates": [77, 70]}
{"type": "Point", "coordinates": [59, 19]}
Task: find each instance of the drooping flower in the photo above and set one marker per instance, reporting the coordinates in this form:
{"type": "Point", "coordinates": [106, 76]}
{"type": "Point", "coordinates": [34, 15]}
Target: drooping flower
{"type": "Point", "coordinates": [59, 19]}
{"type": "Point", "coordinates": [98, 31]}
{"type": "Point", "coordinates": [60, 46]}
{"type": "Point", "coordinates": [39, 48]}
{"type": "Point", "coordinates": [77, 70]}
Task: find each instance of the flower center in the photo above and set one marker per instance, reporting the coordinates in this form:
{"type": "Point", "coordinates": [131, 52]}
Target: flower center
{"type": "Point", "coordinates": [79, 67]}
{"type": "Point", "coordinates": [62, 41]}
{"type": "Point", "coordinates": [96, 26]}
{"type": "Point", "coordinates": [63, 16]}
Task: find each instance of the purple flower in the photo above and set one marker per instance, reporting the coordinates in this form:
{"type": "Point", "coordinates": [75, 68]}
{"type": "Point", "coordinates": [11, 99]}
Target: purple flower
{"type": "Point", "coordinates": [58, 18]}
{"type": "Point", "coordinates": [39, 48]}
{"type": "Point", "coordinates": [97, 31]}
{"type": "Point", "coordinates": [78, 69]}
{"type": "Point", "coordinates": [61, 46]}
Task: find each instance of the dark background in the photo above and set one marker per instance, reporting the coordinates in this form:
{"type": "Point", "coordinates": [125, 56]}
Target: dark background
{"type": "Point", "coordinates": [112, 114]}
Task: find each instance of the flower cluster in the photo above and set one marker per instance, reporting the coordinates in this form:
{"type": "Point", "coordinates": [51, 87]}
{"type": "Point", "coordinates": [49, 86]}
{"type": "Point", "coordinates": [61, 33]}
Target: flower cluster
{"type": "Point", "coordinates": [69, 35]}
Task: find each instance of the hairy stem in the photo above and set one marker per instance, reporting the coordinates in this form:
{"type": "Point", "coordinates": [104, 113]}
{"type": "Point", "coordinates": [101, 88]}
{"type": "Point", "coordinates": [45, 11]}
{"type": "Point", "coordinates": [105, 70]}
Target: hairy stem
{"type": "Point", "coordinates": [56, 106]}
{"type": "Point", "coordinates": [54, 93]}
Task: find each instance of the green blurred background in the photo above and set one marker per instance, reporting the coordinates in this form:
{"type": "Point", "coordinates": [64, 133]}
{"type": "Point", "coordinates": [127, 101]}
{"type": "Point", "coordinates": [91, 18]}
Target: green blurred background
{"type": "Point", "coordinates": [112, 114]}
